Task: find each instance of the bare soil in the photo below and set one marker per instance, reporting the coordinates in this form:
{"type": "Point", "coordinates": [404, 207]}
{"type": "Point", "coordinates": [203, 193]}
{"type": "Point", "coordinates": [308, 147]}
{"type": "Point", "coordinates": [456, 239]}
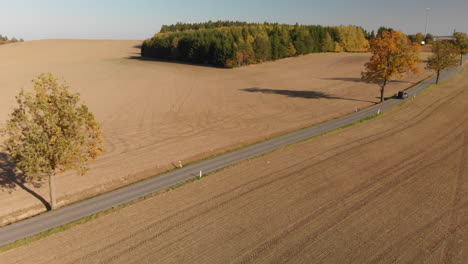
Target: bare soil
{"type": "Point", "coordinates": [390, 190]}
{"type": "Point", "coordinates": [155, 114]}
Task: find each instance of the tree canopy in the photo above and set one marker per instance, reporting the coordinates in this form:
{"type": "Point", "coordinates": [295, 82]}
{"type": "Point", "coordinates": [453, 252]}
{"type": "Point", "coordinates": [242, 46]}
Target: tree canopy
{"type": "Point", "coordinates": [382, 30]}
{"type": "Point", "coordinates": [461, 44]}
{"type": "Point", "coordinates": [353, 38]}
{"type": "Point", "coordinates": [392, 55]}
{"type": "Point", "coordinates": [51, 132]}
{"type": "Point", "coordinates": [444, 55]}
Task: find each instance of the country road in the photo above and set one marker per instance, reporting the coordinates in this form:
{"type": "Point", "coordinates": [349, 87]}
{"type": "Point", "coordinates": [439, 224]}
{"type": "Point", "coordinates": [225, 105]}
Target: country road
{"type": "Point", "coordinates": [79, 210]}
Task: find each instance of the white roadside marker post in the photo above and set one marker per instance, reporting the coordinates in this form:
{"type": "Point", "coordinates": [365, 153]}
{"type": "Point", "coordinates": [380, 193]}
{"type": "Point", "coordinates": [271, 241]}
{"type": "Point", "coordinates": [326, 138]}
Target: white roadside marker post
{"type": "Point", "coordinates": [180, 164]}
{"type": "Point", "coordinates": [201, 174]}
{"type": "Point", "coordinates": [378, 112]}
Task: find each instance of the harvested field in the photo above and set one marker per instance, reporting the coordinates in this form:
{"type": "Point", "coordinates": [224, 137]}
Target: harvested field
{"type": "Point", "coordinates": [155, 114]}
{"type": "Point", "coordinates": [390, 190]}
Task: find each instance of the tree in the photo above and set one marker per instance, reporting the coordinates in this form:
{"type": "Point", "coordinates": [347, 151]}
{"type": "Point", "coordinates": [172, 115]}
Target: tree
{"type": "Point", "coordinates": [444, 55]}
{"type": "Point", "coordinates": [262, 48]}
{"type": "Point", "coordinates": [338, 48]}
{"type": "Point", "coordinates": [392, 55]}
{"type": "Point", "coordinates": [328, 44]}
{"type": "Point", "coordinates": [370, 35]}
{"type": "Point", "coordinates": [381, 30]}
{"type": "Point", "coordinates": [419, 38]}
{"type": "Point", "coordinates": [429, 38]}
{"type": "Point", "coordinates": [291, 50]}
{"type": "Point", "coordinates": [461, 44]}
{"type": "Point", "coordinates": [51, 132]}
{"type": "Point", "coordinates": [353, 38]}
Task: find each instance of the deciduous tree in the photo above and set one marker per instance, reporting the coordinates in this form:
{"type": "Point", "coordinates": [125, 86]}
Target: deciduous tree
{"type": "Point", "coordinates": [291, 50]}
{"type": "Point", "coordinates": [444, 55]}
{"type": "Point", "coordinates": [51, 132]}
{"type": "Point", "coordinates": [419, 38]}
{"type": "Point", "coordinates": [461, 44]}
{"type": "Point", "coordinates": [392, 55]}
{"type": "Point", "coordinates": [353, 38]}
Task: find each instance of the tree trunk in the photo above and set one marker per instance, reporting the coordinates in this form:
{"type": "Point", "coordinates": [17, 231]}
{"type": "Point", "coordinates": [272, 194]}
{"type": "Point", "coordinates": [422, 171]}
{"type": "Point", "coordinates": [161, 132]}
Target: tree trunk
{"type": "Point", "coordinates": [438, 74]}
{"type": "Point", "coordinates": [52, 192]}
{"type": "Point", "coordinates": [382, 90]}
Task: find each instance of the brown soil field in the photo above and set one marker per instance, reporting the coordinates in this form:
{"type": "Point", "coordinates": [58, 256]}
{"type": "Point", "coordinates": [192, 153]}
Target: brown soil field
{"type": "Point", "coordinates": [157, 113]}
{"type": "Point", "coordinates": [390, 190]}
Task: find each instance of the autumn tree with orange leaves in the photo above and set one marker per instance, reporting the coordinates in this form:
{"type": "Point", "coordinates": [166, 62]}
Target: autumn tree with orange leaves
{"type": "Point", "coordinates": [392, 55]}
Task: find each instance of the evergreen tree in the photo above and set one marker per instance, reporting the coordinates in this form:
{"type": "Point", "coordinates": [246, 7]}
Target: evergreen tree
{"type": "Point", "coordinates": [328, 45]}
{"type": "Point", "coordinates": [262, 48]}
{"type": "Point", "coordinates": [381, 30]}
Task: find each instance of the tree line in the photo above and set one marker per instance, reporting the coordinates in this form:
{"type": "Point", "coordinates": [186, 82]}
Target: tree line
{"type": "Point", "coordinates": [5, 40]}
{"type": "Point", "coordinates": [233, 44]}
{"type": "Point", "coordinates": [197, 26]}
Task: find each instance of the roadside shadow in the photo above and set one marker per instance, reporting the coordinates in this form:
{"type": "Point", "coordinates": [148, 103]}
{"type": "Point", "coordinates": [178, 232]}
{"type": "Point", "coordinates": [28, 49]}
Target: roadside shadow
{"type": "Point", "coordinates": [301, 94]}
{"type": "Point", "coordinates": [11, 178]}
{"type": "Point", "coordinates": [141, 58]}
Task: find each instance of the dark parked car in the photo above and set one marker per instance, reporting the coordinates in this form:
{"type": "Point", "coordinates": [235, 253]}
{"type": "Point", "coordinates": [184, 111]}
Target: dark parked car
{"type": "Point", "coordinates": [402, 95]}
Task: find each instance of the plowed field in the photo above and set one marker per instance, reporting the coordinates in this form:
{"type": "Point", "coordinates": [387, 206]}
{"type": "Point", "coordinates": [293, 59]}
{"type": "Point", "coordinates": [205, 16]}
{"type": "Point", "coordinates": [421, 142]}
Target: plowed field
{"type": "Point", "coordinates": [155, 114]}
{"type": "Point", "coordinates": [390, 190]}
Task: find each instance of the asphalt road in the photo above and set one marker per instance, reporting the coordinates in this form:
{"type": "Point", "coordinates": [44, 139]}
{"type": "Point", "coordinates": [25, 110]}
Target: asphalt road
{"type": "Point", "coordinates": [46, 221]}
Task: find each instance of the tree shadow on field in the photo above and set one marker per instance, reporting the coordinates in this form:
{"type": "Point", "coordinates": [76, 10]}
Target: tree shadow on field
{"type": "Point", "coordinates": [301, 94]}
{"type": "Point", "coordinates": [358, 80]}
{"type": "Point", "coordinates": [10, 178]}
{"type": "Point", "coordinates": [141, 58]}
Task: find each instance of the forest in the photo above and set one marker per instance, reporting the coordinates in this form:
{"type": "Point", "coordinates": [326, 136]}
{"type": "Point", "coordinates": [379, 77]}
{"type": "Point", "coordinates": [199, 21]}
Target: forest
{"type": "Point", "coordinates": [233, 44]}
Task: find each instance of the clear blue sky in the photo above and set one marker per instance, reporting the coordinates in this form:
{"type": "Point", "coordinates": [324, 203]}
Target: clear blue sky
{"type": "Point", "coordinates": [139, 19]}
